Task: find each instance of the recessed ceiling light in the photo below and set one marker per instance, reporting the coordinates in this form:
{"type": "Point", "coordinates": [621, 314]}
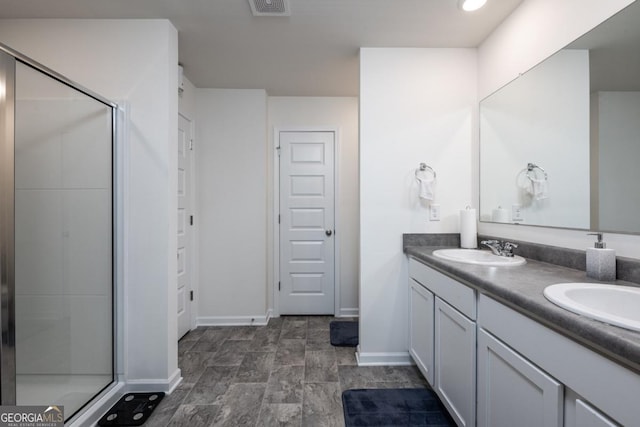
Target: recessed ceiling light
{"type": "Point", "coordinates": [471, 5]}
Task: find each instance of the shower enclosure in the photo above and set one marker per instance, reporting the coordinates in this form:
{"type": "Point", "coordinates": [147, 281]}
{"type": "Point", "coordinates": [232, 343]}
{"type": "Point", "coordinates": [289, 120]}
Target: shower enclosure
{"type": "Point", "coordinates": [56, 238]}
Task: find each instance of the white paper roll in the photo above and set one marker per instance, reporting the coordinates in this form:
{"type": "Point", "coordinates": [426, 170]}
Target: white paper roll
{"type": "Point", "coordinates": [468, 229]}
{"type": "Point", "coordinates": [500, 215]}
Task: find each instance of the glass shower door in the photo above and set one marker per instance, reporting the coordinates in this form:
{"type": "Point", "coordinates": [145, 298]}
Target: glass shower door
{"type": "Point", "coordinates": [63, 243]}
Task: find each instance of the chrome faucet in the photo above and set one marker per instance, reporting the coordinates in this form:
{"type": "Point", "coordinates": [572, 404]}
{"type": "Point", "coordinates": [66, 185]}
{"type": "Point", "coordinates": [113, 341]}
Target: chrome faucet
{"type": "Point", "coordinates": [499, 247]}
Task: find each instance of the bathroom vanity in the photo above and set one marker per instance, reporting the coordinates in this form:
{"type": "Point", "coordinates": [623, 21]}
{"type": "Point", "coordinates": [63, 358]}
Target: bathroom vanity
{"type": "Point", "coordinates": [498, 353]}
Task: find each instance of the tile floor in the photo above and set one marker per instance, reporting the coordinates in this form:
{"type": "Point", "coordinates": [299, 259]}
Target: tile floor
{"type": "Point", "coordinates": [283, 374]}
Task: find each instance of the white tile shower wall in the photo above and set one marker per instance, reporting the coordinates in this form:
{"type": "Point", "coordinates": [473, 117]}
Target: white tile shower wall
{"type": "Point", "coordinates": [63, 240]}
{"type": "Point", "coordinates": [416, 105]}
{"type": "Point", "coordinates": [516, 46]}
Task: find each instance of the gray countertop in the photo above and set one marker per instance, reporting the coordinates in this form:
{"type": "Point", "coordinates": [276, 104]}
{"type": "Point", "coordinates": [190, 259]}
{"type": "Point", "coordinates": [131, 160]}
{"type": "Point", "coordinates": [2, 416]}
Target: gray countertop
{"type": "Point", "coordinates": [521, 289]}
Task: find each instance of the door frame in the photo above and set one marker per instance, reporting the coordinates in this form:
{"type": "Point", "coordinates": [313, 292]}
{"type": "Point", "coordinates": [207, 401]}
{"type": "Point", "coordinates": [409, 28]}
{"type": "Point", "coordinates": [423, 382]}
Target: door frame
{"type": "Point", "coordinates": [193, 263]}
{"type": "Point", "coordinates": [275, 310]}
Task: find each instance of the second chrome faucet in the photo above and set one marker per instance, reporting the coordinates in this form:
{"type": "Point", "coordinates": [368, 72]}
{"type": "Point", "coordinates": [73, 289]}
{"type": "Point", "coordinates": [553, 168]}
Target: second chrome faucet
{"type": "Point", "coordinates": [500, 247]}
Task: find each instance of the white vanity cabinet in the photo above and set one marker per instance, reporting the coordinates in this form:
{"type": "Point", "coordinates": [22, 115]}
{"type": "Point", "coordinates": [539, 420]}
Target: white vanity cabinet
{"type": "Point", "coordinates": [584, 387]}
{"type": "Point", "coordinates": [579, 413]}
{"type": "Point", "coordinates": [421, 327]}
{"type": "Point", "coordinates": [443, 332]}
{"type": "Point", "coordinates": [523, 373]}
{"type": "Point", "coordinates": [512, 391]}
{"type": "Point", "coordinates": [455, 362]}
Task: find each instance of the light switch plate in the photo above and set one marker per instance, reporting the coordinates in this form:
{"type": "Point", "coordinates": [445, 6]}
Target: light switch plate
{"type": "Point", "coordinates": [516, 213]}
{"type": "Point", "coordinates": [434, 212]}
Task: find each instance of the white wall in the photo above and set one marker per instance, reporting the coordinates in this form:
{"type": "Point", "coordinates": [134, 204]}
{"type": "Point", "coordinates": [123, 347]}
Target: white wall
{"type": "Point", "coordinates": [326, 112]}
{"type": "Point", "coordinates": [416, 105]}
{"type": "Point", "coordinates": [540, 118]}
{"type": "Point", "coordinates": [231, 168]}
{"type": "Point", "coordinates": [618, 129]}
{"type": "Point", "coordinates": [513, 48]}
{"type": "Point", "coordinates": [134, 61]}
{"type": "Point", "coordinates": [519, 42]}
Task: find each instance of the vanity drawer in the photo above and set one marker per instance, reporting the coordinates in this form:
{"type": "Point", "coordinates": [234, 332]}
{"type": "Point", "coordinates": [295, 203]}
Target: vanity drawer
{"type": "Point", "coordinates": [608, 386]}
{"type": "Point", "coordinates": [461, 297]}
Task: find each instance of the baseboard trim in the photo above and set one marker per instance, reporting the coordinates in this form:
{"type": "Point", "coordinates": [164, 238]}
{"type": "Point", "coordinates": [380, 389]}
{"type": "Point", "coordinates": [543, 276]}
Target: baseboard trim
{"type": "Point", "coordinates": [348, 312]}
{"type": "Point", "coordinates": [257, 320]}
{"type": "Point", "coordinates": [383, 359]}
{"type": "Point", "coordinates": [94, 412]}
{"type": "Point", "coordinates": [165, 385]}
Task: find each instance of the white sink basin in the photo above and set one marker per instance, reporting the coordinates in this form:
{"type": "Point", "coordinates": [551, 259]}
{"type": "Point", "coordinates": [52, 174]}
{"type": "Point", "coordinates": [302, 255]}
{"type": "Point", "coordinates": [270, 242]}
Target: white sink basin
{"type": "Point", "coordinates": [613, 304]}
{"type": "Point", "coordinates": [478, 257]}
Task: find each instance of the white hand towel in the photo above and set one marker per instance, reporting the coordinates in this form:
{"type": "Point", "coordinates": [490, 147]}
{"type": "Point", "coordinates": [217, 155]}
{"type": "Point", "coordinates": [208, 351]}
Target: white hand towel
{"type": "Point", "coordinates": [539, 189]}
{"type": "Point", "coordinates": [533, 186]}
{"type": "Point", "coordinates": [426, 188]}
{"type": "Point", "coordinates": [525, 183]}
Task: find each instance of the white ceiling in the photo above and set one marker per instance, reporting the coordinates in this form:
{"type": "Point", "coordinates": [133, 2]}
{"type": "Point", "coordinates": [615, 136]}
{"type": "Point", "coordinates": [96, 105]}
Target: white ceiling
{"type": "Point", "coordinates": [314, 52]}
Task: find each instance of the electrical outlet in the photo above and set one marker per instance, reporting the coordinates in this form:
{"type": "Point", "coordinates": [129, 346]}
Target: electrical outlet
{"type": "Point", "coordinates": [516, 213]}
{"type": "Point", "coordinates": [434, 212]}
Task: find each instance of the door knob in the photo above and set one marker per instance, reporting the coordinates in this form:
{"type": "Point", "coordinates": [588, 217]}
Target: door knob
{"type": "Point", "coordinates": [328, 233]}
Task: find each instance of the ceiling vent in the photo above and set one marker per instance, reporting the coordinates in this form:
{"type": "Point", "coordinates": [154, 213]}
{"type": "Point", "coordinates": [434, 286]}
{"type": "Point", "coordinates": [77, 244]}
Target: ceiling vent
{"type": "Point", "coordinates": [270, 7]}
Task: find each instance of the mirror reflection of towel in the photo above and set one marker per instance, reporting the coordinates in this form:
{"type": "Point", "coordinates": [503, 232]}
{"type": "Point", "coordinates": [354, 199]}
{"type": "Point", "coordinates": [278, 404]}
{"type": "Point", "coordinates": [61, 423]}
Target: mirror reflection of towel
{"type": "Point", "coordinates": [539, 189]}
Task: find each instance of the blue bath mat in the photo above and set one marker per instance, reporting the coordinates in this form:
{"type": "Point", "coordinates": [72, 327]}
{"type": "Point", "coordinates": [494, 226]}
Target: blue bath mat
{"type": "Point", "coordinates": [394, 407]}
{"type": "Point", "coordinates": [132, 409]}
{"type": "Point", "coordinates": [344, 334]}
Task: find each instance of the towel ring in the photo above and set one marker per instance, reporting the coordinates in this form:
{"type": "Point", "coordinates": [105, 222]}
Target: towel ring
{"type": "Point", "coordinates": [423, 168]}
{"type": "Point", "coordinates": [530, 171]}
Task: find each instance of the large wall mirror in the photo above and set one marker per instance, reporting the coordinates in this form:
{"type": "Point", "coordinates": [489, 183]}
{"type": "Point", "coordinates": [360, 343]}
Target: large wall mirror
{"type": "Point", "coordinates": [560, 145]}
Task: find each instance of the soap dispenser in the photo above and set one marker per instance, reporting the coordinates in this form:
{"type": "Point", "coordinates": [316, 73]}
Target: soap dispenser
{"type": "Point", "coordinates": [601, 262]}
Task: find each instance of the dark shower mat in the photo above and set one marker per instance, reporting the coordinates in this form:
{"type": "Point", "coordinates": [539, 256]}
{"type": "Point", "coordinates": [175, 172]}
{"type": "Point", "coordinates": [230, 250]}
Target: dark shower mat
{"type": "Point", "coordinates": [132, 409]}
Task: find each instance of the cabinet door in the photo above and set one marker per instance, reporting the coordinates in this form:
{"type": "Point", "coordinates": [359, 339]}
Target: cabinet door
{"type": "Point", "coordinates": [421, 328]}
{"type": "Point", "coordinates": [588, 416]}
{"type": "Point", "coordinates": [512, 391]}
{"type": "Point", "coordinates": [455, 363]}
{"type": "Point", "coordinates": [579, 413]}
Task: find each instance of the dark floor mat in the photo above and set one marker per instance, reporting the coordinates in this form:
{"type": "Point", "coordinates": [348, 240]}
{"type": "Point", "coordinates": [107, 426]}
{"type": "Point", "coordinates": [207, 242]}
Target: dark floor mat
{"type": "Point", "coordinates": [133, 409]}
{"type": "Point", "coordinates": [344, 334]}
{"type": "Point", "coordinates": [394, 407]}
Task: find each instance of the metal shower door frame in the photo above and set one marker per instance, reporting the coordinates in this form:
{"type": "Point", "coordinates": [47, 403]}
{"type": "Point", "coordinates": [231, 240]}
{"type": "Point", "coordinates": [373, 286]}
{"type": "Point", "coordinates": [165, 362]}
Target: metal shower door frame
{"type": "Point", "coordinates": [8, 60]}
{"type": "Point", "coordinates": [7, 232]}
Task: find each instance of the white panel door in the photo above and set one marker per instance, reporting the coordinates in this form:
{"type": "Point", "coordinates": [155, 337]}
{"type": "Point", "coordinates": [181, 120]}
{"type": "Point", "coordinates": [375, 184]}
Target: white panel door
{"type": "Point", "coordinates": [307, 222]}
{"type": "Point", "coordinates": [184, 222]}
